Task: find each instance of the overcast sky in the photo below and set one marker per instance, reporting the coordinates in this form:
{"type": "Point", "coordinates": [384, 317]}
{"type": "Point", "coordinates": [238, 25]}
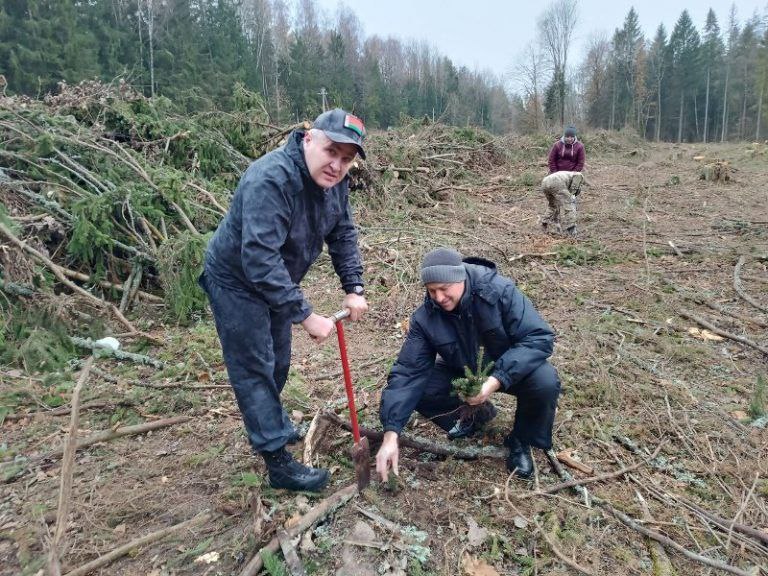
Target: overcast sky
{"type": "Point", "coordinates": [491, 34]}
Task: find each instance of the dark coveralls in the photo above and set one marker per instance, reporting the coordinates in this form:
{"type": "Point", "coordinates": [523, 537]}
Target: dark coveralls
{"type": "Point", "coordinates": [273, 232]}
{"type": "Point", "coordinates": [492, 313]}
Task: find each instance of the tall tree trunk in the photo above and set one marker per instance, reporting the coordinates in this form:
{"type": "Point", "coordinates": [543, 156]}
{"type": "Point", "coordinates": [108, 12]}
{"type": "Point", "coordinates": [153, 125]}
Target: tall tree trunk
{"type": "Point", "coordinates": [759, 111]}
{"type": "Point", "coordinates": [613, 103]}
{"type": "Point", "coordinates": [680, 121]}
{"type": "Point", "coordinates": [724, 129]}
{"type": "Point", "coordinates": [706, 109]}
{"type": "Point", "coordinates": [696, 114]}
{"type": "Point", "coordinates": [658, 111]}
{"type": "Point", "coordinates": [743, 121]}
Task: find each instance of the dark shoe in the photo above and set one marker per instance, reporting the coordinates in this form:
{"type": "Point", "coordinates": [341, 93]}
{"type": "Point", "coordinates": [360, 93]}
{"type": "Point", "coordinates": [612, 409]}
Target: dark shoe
{"type": "Point", "coordinates": [285, 472]}
{"type": "Point", "coordinates": [519, 460]}
{"type": "Point", "coordinates": [294, 438]}
{"type": "Point", "coordinates": [571, 231]}
{"type": "Point", "coordinates": [467, 427]}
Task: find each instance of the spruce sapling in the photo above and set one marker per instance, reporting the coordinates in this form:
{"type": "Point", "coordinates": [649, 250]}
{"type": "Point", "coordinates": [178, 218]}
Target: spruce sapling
{"type": "Point", "coordinates": [470, 385]}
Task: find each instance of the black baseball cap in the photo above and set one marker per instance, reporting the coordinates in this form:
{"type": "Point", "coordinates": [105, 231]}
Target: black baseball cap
{"type": "Point", "coordinates": [343, 128]}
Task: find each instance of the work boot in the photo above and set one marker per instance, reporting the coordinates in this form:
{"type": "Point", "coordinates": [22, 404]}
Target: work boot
{"type": "Point", "coordinates": [519, 460]}
{"type": "Point", "coordinates": [285, 472]}
{"type": "Point", "coordinates": [294, 438]}
{"type": "Point", "coordinates": [467, 427]}
{"type": "Point", "coordinates": [571, 231]}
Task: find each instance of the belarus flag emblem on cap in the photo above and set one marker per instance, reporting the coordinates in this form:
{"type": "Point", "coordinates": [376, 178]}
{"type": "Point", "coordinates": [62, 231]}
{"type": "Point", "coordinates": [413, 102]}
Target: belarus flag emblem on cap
{"type": "Point", "coordinates": [355, 124]}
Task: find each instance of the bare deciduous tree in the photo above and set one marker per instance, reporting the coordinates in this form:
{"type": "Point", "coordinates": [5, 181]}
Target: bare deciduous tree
{"type": "Point", "coordinates": [556, 27]}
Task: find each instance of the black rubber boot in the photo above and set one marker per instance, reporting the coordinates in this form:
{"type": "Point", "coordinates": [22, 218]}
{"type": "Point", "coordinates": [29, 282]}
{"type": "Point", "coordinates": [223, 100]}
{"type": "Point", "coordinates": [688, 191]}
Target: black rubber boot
{"type": "Point", "coordinates": [519, 460]}
{"type": "Point", "coordinates": [285, 472]}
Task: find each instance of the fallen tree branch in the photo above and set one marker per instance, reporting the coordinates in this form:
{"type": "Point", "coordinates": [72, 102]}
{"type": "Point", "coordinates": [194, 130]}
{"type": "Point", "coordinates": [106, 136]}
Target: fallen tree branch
{"type": "Point", "coordinates": [723, 310]}
{"type": "Point", "coordinates": [108, 558]}
{"type": "Point", "coordinates": [321, 510]}
{"type": "Point", "coordinates": [598, 478]}
{"type": "Point", "coordinates": [661, 564]}
{"type": "Point", "coordinates": [107, 435]}
{"type": "Point", "coordinates": [663, 540]}
{"type": "Point", "coordinates": [740, 289]}
{"type": "Point", "coordinates": [407, 441]}
{"type": "Point", "coordinates": [67, 470]}
{"type": "Point", "coordinates": [723, 333]}
{"type": "Point", "coordinates": [292, 560]}
{"type": "Point", "coordinates": [104, 351]}
{"type": "Point", "coordinates": [56, 269]}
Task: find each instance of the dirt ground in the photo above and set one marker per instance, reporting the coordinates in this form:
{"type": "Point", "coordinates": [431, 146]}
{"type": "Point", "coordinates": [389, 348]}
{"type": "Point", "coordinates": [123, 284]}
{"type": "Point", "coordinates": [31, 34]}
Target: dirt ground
{"type": "Point", "coordinates": [630, 299]}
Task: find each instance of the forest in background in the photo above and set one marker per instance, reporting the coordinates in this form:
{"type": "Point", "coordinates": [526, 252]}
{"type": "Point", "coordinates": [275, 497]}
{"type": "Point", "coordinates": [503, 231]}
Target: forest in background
{"type": "Point", "coordinates": [685, 84]}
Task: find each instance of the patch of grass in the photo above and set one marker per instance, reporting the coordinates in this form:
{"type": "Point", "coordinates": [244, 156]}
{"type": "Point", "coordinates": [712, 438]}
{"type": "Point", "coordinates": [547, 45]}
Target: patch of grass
{"type": "Point", "coordinates": [189, 555]}
{"type": "Point", "coordinates": [273, 565]}
{"type": "Point", "coordinates": [295, 395]}
{"type": "Point", "coordinates": [585, 254]}
{"type": "Point", "coordinates": [202, 458]}
{"type": "Point", "coordinates": [248, 480]}
{"type": "Point", "coordinates": [758, 404]}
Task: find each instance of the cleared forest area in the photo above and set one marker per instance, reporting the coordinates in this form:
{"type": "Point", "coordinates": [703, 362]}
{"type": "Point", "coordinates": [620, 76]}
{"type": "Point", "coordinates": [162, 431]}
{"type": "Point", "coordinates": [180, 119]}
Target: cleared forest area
{"type": "Point", "coordinates": [659, 305]}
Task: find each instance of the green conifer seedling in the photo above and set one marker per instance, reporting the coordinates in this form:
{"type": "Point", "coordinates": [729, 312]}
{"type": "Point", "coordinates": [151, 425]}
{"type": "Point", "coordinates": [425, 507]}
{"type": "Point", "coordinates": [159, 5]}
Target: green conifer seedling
{"type": "Point", "coordinates": [472, 382]}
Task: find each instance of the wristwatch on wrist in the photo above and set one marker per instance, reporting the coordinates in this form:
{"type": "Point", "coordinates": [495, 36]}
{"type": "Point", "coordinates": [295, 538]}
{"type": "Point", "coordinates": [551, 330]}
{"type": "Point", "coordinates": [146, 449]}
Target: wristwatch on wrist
{"type": "Point", "coordinates": [356, 289]}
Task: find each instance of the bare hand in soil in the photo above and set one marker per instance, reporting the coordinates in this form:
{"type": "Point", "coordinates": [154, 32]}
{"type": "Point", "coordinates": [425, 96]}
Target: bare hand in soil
{"type": "Point", "coordinates": [387, 456]}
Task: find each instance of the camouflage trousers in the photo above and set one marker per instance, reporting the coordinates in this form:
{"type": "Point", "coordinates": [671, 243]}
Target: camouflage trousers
{"type": "Point", "coordinates": [561, 215]}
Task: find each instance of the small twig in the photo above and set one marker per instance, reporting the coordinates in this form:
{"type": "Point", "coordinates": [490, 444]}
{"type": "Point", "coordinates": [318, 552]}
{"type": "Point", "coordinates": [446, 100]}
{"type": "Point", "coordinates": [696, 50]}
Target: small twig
{"type": "Point", "coordinates": [138, 543]}
{"type": "Point", "coordinates": [676, 249]}
{"type": "Point", "coordinates": [338, 373]}
{"type": "Point", "coordinates": [740, 289]}
{"type": "Point", "coordinates": [740, 511]}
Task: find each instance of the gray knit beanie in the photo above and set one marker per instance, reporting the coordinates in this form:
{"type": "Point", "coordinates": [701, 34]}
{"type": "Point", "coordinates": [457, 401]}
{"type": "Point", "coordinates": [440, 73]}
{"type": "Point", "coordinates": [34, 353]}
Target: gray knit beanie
{"type": "Point", "coordinates": [442, 265]}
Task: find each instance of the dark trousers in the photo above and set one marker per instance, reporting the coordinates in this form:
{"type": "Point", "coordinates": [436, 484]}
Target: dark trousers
{"type": "Point", "coordinates": [536, 403]}
{"type": "Point", "coordinates": [256, 343]}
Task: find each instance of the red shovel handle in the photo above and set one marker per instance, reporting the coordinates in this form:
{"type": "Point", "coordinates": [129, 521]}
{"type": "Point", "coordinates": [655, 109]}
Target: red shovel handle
{"type": "Point", "coordinates": [347, 378]}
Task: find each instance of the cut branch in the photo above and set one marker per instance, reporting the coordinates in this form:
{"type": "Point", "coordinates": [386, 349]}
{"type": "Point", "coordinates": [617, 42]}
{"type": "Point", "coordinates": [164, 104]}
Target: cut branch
{"type": "Point", "coordinates": [108, 558]}
{"type": "Point", "coordinates": [723, 333]}
{"type": "Point", "coordinates": [317, 513]}
{"type": "Point", "coordinates": [424, 445]}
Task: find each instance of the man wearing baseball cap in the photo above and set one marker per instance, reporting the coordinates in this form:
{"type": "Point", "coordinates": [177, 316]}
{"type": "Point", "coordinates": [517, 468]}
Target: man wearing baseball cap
{"type": "Point", "coordinates": [469, 305]}
{"type": "Point", "coordinates": [288, 204]}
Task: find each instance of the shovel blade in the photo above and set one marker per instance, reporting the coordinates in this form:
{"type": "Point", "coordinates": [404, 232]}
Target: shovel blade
{"type": "Point", "coordinates": [361, 456]}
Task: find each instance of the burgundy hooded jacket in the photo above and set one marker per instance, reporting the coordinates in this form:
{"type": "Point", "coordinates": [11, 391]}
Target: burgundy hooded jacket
{"type": "Point", "coordinates": [564, 157]}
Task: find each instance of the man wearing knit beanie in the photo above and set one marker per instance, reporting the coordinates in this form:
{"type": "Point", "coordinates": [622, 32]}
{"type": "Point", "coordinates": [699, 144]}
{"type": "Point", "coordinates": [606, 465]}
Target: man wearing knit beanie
{"type": "Point", "coordinates": [469, 305]}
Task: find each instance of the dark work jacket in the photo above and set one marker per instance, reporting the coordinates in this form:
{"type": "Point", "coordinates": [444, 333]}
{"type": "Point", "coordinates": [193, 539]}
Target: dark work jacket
{"type": "Point", "coordinates": [492, 313]}
{"type": "Point", "coordinates": [275, 228]}
{"type": "Point", "coordinates": [563, 157]}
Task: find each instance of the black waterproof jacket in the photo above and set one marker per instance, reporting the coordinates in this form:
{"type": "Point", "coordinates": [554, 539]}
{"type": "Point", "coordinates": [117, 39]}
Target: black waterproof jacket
{"type": "Point", "coordinates": [492, 313]}
{"type": "Point", "coordinates": [275, 228]}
